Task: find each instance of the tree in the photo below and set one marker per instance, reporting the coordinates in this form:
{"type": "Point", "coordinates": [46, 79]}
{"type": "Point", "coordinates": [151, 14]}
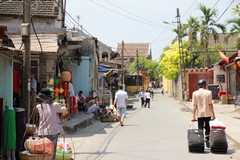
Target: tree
{"type": "Point", "coordinates": [169, 63]}
{"type": "Point", "coordinates": [236, 10]}
{"type": "Point", "coordinates": [208, 25]}
{"type": "Point", "coordinates": [146, 64]}
{"type": "Point", "coordinates": [192, 30]}
{"type": "Point", "coordinates": [235, 29]}
{"type": "Point", "coordinates": [180, 32]}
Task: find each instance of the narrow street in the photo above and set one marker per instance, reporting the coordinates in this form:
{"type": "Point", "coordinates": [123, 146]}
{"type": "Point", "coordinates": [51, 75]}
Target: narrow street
{"type": "Point", "coordinates": [149, 134]}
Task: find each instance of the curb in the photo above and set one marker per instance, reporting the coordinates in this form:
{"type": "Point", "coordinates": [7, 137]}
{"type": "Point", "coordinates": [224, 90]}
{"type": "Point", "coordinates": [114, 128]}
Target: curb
{"type": "Point", "coordinates": [79, 125]}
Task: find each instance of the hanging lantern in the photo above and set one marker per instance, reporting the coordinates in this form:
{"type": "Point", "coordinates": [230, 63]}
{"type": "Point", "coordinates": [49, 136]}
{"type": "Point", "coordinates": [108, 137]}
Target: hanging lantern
{"type": "Point", "coordinates": [56, 100]}
{"type": "Point", "coordinates": [56, 90]}
{"type": "Point", "coordinates": [61, 90]}
{"type": "Point", "coordinates": [56, 81]}
{"type": "Point", "coordinates": [51, 82]}
{"type": "Point", "coordinates": [65, 87]}
{"type": "Point", "coordinates": [66, 76]}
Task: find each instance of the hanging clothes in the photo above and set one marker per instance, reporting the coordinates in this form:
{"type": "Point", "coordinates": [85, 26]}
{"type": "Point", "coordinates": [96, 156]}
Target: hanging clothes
{"type": "Point", "coordinates": [9, 129]}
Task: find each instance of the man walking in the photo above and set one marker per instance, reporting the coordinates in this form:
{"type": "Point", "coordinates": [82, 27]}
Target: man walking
{"type": "Point", "coordinates": [203, 108]}
{"type": "Point", "coordinates": [121, 101]}
{"type": "Point", "coordinates": [141, 96]}
{"type": "Point", "coordinates": [147, 96]}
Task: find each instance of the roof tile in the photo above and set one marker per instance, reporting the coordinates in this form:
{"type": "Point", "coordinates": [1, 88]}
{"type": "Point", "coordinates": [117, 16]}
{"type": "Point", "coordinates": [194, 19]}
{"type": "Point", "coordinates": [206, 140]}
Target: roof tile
{"type": "Point", "coordinates": [38, 8]}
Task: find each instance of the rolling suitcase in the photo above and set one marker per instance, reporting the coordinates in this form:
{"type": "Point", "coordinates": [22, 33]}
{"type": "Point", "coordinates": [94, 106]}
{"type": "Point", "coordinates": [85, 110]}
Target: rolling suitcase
{"type": "Point", "coordinates": [218, 140]}
{"type": "Point", "coordinates": [195, 140]}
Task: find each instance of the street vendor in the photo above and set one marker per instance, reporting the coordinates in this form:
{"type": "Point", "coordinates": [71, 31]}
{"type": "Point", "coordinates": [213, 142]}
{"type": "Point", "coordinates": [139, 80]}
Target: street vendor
{"type": "Point", "coordinates": [48, 115]}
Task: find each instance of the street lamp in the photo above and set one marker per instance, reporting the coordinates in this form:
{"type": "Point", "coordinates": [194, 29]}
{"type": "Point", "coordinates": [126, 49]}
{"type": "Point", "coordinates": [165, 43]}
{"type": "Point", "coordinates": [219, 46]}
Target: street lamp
{"type": "Point", "coordinates": [181, 54]}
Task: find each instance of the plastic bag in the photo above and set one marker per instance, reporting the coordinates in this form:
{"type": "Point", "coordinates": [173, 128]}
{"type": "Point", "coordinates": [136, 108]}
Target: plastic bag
{"type": "Point", "coordinates": [217, 124]}
{"type": "Point", "coordinates": [37, 145]}
{"type": "Point", "coordinates": [64, 151]}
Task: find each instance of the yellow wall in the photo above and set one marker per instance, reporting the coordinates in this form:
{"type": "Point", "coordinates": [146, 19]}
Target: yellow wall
{"type": "Point", "coordinates": [167, 85]}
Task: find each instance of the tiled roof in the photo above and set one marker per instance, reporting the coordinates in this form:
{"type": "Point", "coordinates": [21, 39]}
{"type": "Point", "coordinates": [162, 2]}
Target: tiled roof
{"type": "Point", "coordinates": [131, 49]}
{"type": "Point", "coordinates": [38, 8]}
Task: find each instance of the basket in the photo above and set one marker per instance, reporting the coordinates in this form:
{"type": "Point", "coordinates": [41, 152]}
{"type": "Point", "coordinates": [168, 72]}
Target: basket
{"type": "Point", "coordinates": [66, 156]}
{"type": "Point", "coordinates": [29, 156]}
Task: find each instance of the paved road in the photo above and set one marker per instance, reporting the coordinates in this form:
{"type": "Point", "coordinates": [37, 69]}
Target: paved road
{"type": "Point", "coordinates": [149, 134]}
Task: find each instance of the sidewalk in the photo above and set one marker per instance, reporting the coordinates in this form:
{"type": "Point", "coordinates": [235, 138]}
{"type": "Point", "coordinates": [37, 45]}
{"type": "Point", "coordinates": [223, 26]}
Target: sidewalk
{"type": "Point", "coordinates": [82, 120]}
{"type": "Point", "coordinates": [230, 116]}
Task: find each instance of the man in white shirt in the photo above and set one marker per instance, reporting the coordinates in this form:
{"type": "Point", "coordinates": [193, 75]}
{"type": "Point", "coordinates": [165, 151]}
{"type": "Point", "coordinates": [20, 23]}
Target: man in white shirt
{"type": "Point", "coordinates": [121, 101]}
{"type": "Point", "coordinates": [141, 96]}
{"type": "Point", "coordinates": [147, 96]}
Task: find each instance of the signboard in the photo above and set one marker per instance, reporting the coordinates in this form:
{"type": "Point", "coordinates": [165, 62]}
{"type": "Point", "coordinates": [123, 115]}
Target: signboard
{"type": "Point", "coordinates": [214, 88]}
{"type": "Point", "coordinates": [221, 78]}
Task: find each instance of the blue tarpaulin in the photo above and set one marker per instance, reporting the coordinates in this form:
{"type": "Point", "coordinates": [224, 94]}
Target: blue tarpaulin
{"type": "Point", "coordinates": [101, 68]}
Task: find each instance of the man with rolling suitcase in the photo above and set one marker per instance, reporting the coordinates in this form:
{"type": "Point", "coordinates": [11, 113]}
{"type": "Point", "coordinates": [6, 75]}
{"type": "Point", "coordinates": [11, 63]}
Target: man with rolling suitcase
{"type": "Point", "coordinates": [203, 109]}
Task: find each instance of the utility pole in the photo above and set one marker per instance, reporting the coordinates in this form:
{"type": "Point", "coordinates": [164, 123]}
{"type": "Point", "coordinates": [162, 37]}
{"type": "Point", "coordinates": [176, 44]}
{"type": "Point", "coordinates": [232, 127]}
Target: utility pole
{"type": "Point", "coordinates": [137, 71]}
{"type": "Point", "coordinates": [182, 66]}
{"type": "Point", "coordinates": [26, 30]}
{"type": "Point", "coordinates": [63, 8]}
{"type": "Point", "coordinates": [122, 68]}
{"type": "Point", "coordinates": [78, 18]}
{"type": "Point", "coordinates": [143, 71]}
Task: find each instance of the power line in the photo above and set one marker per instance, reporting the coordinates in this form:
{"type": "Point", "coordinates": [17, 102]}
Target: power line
{"type": "Point", "coordinates": [153, 41]}
{"type": "Point", "coordinates": [225, 11]}
{"type": "Point", "coordinates": [215, 4]}
{"type": "Point", "coordinates": [189, 8]}
{"type": "Point", "coordinates": [133, 13]}
{"type": "Point", "coordinates": [78, 24]}
{"type": "Point", "coordinates": [126, 15]}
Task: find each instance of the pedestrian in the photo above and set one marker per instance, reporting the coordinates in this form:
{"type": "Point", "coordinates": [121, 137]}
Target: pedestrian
{"type": "Point", "coordinates": [152, 94]}
{"type": "Point", "coordinates": [147, 96]}
{"type": "Point", "coordinates": [121, 101]}
{"type": "Point", "coordinates": [33, 93]}
{"type": "Point", "coordinates": [48, 117]}
{"type": "Point", "coordinates": [141, 96]}
{"type": "Point", "coordinates": [81, 101]}
{"type": "Point", "coordinates": [203, 108]}
{"type": "Point", "coordinates": [94, 108]}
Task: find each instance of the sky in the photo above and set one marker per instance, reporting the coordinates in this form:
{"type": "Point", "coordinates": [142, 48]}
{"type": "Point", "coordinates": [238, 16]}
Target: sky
{"type": "Point", "coordinates": [139, 21]}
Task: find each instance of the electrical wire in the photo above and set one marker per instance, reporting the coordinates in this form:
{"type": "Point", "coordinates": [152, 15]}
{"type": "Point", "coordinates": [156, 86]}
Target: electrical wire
{"type": "Point", "coordinates": [225, 10]}
{"type": "Point", "coordinates": [37, 39]}
{"type": "Point", "coordinates": [189, 8]}
{"type": "Point", "coordinates": [133, 14]}
{"type": "Point", "coordinates": [149, 24]}
{"type": "Point", "coordinates": [78, 24]}
{"type": "Point", "coordinates": [215, 4]}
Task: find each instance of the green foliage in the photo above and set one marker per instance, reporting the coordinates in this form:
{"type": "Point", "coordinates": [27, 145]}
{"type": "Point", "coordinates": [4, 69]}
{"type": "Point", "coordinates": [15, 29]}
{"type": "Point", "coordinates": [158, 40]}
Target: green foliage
{"type": "Point", "coordinates": [169, 63]}
{"type": "Point", "coordinates": [237, 43]}
{"type": "Point", "coordinates": [236, 10]}
{"type": "Point", "coordinates": [145, 64]}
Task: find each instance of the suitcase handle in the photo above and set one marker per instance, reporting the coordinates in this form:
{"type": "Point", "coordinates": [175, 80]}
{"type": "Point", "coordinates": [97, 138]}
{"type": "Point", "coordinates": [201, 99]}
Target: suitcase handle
{"type": "Point", "coordinates": [193, 125]}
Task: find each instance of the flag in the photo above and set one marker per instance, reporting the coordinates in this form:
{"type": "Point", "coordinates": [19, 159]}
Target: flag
{"type": "Point", "coordinates": [224, 57]}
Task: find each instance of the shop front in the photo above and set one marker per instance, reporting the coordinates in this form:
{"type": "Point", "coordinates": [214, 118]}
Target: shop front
{"type": "Point", "coordinates": [104, 94]}
{"type": "Point", "coordinates": [6, 95]}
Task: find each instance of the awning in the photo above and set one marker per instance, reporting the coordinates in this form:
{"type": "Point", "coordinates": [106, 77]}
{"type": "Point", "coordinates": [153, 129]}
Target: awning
{"type": "Point", "coordinates": [48, 42]}
{"type": "Point", "coordinates": [101, 68]}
